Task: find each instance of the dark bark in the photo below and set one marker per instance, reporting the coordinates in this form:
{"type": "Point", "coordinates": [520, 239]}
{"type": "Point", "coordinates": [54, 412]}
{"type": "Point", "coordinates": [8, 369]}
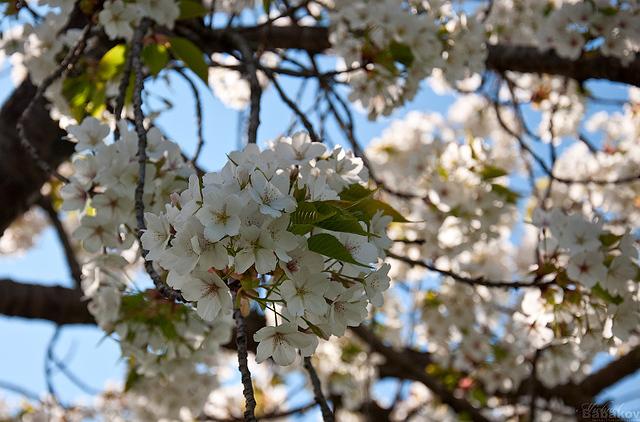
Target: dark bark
{"type": "Point", "coordinates": [393, 358]}
{"type": "Point", "coordinates": [57, 304]}
{"type": "Point", "coordinates": [531, 60]}
{"type": "Point", "coordinates": [20, 177]}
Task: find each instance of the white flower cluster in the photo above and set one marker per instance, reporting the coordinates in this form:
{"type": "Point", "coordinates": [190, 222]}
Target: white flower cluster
{"type": "Point", "coordinates": [280, 222]}
{"type": "Point", "coordinates": [394, 48]}
{"type": "Point", "coordinates": [119, 18]}
{"type": "Point", "coordinates": [595, 255]}
{"type": "Point", "coordinates": [571, 28]}
{"type": "Point", "coordinates": [231, 86]}
{"type": "Point", "coordinates": [152, 331]}
{"type": "Point", "coordinates": [617, 160]}
{"type": "Point", "coordinates": [560, 102]}
{"type": "Point", "coordinates": [104, 179]}
{"type": "Point", "coordinates": [23, 232]}
{"type": "Point", "coordinates": [461, 198]}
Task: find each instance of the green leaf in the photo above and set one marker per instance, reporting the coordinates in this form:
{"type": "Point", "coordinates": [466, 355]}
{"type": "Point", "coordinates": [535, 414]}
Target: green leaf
{"type": "Point", "coordinates": [507, 194]}
{"type": "Point", "coordinates": [77, 91]}
{"type": "Point", "coordinates": [368, 207]}
{"type": "Point", "coordinates": [355, 192]}
{"type": "Point", "coordinates": [132, 377]}
{"type": "Point", "coordinates": [609, 239]}
{"type": "Point", "coordinates": [489, 172]}
{"type": "Point", "coordinates": [317, 330]}
{"type": "Point", "coordinates": [401, 53]}
{"type": "Point", "coordinates": [190, 9]}
{"type": "Point", "coordinates": [112, 62]}
{"type": "Point", "coordinates": [310, 213]}
{"type": "Point", "coordinates": [266, 4]}
{"type": "Point", "coordinates": [328, 245]}
{"type": "Point", "coordinates": [155, 57]}
{"type": "Point", "coordinates": [343, 223]}
{"type": "Point", "coordinates": [479, 395]}
{"type": "Point", "coordinates": [300, 229]}
{"type": "Point", "coordinates": [191, 56]}
{"type": "Point", "coordinates": [97, 102]}
{"type": "Point", "coordinates": [598, 291]}
{"type": "Point", "coordinates": [168, 329]}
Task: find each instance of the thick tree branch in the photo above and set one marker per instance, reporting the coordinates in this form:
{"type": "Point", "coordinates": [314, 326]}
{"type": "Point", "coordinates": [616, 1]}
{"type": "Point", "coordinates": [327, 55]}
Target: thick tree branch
{"type": "Point", "coordinates": [327, 414]}
{"type": "Point", "coordinates": [69, 253]}
{"type": "Point", "coordinates": [500, 57]}
{"type": "Point", "coordinates": [395, 358]}
{"type": "Point", "coordinates": [20, 179]}
{"type": "Point", "coordinates": [531, 60]}
{"type": "Point", "coordinates": [64, 306]}
{"type": "Point", "coordinates": [57, 304]}
{"type": "Point", "coordinates": [586, 390]}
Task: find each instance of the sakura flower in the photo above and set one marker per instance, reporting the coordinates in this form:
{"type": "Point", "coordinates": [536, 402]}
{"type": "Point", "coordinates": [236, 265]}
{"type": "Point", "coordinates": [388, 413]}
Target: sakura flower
{"type": "Point", "coordinates": [88, 134]}
{"type": "Point", "coordinates": [189, 248]}
{"type": "Point", "coordinates": [74, 196]}
{"type": "Point", "coordinates": [272, 195]}
{"type": "Point", "coordinates": [305, 292]}
{"type": "Point", "coordinates": [283, 240]}
{"type": "Point", "coordinates": [579, 234]}
{"type": "Point", "coordinates": [377, 283]}
{"type": "Point", "coordinates": [621, 270]}
{"type": "Point", "coordinates": [219, 215]}
{"type": "Point", "coordinates": [211, 294]}
{"type": "Point", "coordinates": [281, 343]}
{"type": "Point", "coordinates": [626, 319]}
{"type": "Point", "coordinates": [118, 19]}
{"type": "Point", "coordinates": [96, 233]}
{"type": "Point", "coordinates": [360, 249]}
{"type": "Point", "coordinates": [190, 199]}
{"type": "Point", "coordinates": [256, 247]}
{"type": "Point", "coordinates": [113, 206]}
{"type": "Point", "coordinates": [299, 149]}
{"type": "Point", "coordinates": [155, 238]}
{"type": "Point", "coordinates": [165, 12]}
{"type": "Point", "coordinates": [379, 224]}
{"type": "Point", "coordinates": [347, 309]}
{"type": "Point", "coordinates": [587, 268]}
{"type": "Point", "coordinates": [300, 259]}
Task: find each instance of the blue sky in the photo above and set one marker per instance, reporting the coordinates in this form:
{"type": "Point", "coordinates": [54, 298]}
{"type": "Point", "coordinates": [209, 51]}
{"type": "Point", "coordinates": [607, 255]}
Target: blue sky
{"type": "Point", "coordinates": [87, 352]}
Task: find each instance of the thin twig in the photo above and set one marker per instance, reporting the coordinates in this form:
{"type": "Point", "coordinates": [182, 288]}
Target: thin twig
{"type": "Point", "coordinates": [72, 261]}
{"type": "Point", "coordinates": [136, 63]}
{"type": "Point", "coordinates": [74, 378]}
{"type": "Point", "coordinates": [473, 281]}
{"type": "Point", "coordinates": [273, 415]}
{"type": "Point", "coordinates": [254, 84]}
{"type": "Point", "coordinates": [198, 104]}
{"type": "Point", "coordinates": [65, 66]}
{"type": "Point", "coordinates": [47, 364]}
{"type": "Point", "coordinates": [122, 93]}
{"type": "Point", "coordinates": [305, 121]}
{"type": "Point", "coordinates": [5, 385]}
{"type": "Point", "coordinates": [243, 364]}
{"type": "Point", "coordinates": [327, 414]}
{"type": "Point", "coordinates": [533, 391]}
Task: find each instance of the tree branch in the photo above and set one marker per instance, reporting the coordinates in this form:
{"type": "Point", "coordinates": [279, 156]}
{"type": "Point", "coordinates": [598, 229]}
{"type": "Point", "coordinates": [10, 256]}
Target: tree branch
{"type": "Point", "coordinates": [57, 304]}
{"type": "Point", "coordinates": [243, 364]}
{"type": "Point", "coordinates": [459, 405]}
{"type": "Point", "coordinates": [500, 57]}
{"type": "Point", "coordinates": [523, 59]}
{"type": "Point", "coordinates": [19, 178]}
{"type": "Point", "coordinates": [327, 414]}
{"type": "Point", "coordinates": [65, 241]}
